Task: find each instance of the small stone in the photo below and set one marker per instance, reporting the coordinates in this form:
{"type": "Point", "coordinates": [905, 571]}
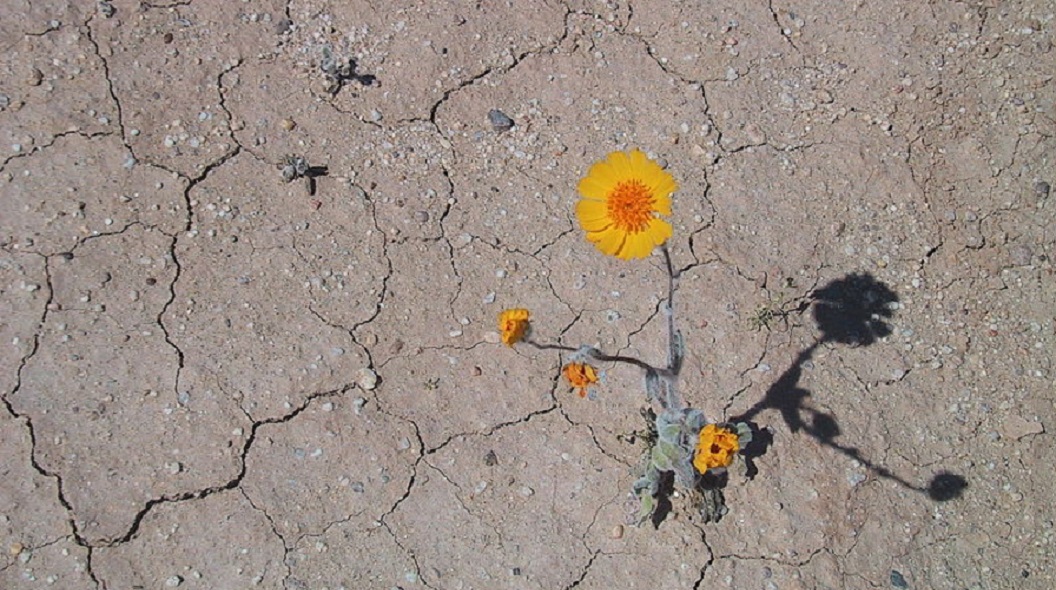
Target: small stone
{"type": "Point", "coordinates": [173, 581]}
{"type": "Point", "coordinates": [898, 580]}
{"type": "Point", "coordinates": [15, 548]}
{"type": "Point", "coordinates": [421, 216]}
{"type": "Point", "coordinates": [617, 532]}
{"type": "Point", "coordinates": [288, 124]}
{"type": "Point", "coordinates": [1041, 189]}
{"type": "Point", "coordinates": [1020, 254]}
{"type": "Point", "coordinates": [490, 459]}
{"type": "Point", "coordinates": [527, 492]}
{"type": "Point", "coordinates": [499, 121]}
{"type": "Point", "coordinates": [1017, 427]}
{"type": "Point", "coordinates": [328, 407]}
{"type": "Point", "coordinates": [376, 116]}
{"type": "Point", "coordinates": [366, 379]}
{"type": "Point", "coordinates": [358, 403]}
{"type": "Point", "coordinates": [35, 77]}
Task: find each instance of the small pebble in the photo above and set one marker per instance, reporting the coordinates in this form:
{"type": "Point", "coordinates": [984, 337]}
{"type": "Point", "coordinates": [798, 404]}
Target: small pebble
{"type": "Point", "coordinates": [288, 124]}
{"type": "Point", "coordinates": [358, 404]}
{"type": "Point", "coordinates": [898, 580]}
{"type": "Point", "coordinates": [499, 121]}
{"type": "Point", "coordinates": [173, 581]}
{"type": "Point", "coordinates": [617, 532]}
{"type": "Point", "coordinates": [366, 379]}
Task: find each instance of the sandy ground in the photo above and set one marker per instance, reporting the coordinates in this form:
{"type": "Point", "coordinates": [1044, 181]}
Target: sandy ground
{"type": "Point", "coordinates": [213, 378]}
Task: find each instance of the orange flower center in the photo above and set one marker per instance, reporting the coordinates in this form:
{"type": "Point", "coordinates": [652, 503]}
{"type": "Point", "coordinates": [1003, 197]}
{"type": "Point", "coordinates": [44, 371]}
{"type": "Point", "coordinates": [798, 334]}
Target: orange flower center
{"type": "Point", "coordinates": [631, 205]}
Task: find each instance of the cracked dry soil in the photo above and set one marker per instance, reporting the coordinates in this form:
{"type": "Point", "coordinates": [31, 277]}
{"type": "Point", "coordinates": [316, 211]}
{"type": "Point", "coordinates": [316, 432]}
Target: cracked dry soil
{"type": "Point", "coordinates": [187, 342]}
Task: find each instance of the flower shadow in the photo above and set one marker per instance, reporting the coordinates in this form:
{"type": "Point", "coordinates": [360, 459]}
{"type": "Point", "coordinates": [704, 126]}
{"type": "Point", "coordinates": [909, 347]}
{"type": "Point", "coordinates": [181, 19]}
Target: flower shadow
{"type": "Point", "coordinates": [852, 311]}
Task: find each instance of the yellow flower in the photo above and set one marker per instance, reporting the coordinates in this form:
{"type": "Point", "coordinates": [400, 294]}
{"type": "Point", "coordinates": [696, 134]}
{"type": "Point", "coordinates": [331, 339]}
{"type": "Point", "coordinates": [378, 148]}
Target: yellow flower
{"type": "Point", "coordinates": [513, 324]}
{"type": "Point", "coordinates": [580, 375]}
{"type": "Point", "coordinates": [622, 198]}
{"type": "Point", "coordinates": [716, 448]}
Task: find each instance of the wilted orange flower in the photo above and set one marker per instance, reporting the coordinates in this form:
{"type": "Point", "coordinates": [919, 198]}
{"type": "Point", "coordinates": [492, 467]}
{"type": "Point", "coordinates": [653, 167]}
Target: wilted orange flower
{"type": "Point", "coordinates": [580, 375]}
{"type": "Point", "coordinates": [623, 197]}
{"type": "Point", "coordinates": [716, 448]}
{"type": "Point", "coordinates": [513, 324]}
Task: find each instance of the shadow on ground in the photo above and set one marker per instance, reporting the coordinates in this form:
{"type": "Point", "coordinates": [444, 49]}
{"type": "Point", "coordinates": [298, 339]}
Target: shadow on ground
{"type": "Point", "coordinates": [851, 311]}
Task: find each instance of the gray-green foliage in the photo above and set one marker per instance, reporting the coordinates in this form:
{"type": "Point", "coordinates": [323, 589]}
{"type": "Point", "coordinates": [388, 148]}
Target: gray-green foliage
{"type": "Point", "coordinates": [677, 431]}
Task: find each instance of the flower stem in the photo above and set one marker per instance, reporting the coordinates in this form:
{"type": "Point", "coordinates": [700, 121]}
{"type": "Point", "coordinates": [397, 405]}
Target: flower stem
{"type": "Point", "coordinates": [671, 400]}
{"type": "Point", "coordinates": [598, 355]}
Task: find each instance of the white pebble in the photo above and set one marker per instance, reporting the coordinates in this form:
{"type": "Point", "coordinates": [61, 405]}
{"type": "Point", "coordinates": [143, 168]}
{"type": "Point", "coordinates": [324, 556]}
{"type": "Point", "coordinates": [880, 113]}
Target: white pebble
{"type": "Point", "coordinates": [366, 379]}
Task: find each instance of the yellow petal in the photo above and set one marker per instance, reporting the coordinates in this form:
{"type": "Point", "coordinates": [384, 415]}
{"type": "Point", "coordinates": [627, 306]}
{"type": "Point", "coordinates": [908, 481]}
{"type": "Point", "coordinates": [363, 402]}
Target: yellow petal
{"type": "Point", "coordinates": [593, 215]}
{"type": "Point", "coordinates": [638, 245]}
{"type": "Point", "coordinates": [620, 163]}
{"type": "Point", "coordinates": [641, 165]}
{"type": "Point", "coordinates": [599, 181]}
{"type": "Point", "coordinates": [662, 190]}
{"type": "Point", "coordinates": [610, 241]}
{"type": "Point", "coordinates": [659, 231]}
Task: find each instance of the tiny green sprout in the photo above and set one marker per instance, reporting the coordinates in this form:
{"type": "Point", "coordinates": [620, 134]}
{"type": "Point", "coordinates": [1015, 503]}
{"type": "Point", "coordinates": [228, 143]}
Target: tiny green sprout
{"type": "Point", "coordinates": [772, 310]}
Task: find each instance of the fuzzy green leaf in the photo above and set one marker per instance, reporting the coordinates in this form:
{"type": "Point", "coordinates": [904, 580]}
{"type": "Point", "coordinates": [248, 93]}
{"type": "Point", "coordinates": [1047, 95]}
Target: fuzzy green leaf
{"type": "Point", "coordinates": [664, 456]}
{"type": "Point", "coordinates": [648, 506]}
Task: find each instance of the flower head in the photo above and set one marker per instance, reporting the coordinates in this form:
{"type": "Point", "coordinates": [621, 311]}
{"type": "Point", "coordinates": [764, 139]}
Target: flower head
{"type": "Point", "coordinates": [623, 196]}
{"type": "Point", "coordinates": [716, 448]}
{"type": "Point", "coordinates": [513, 325]}
{"type": "Point", "coordinates": [580, 375]}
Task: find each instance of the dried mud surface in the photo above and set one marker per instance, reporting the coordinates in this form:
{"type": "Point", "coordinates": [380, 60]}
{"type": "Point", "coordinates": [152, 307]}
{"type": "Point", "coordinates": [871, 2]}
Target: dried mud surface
{"type": "Point", "coordinates": [212, 378]}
